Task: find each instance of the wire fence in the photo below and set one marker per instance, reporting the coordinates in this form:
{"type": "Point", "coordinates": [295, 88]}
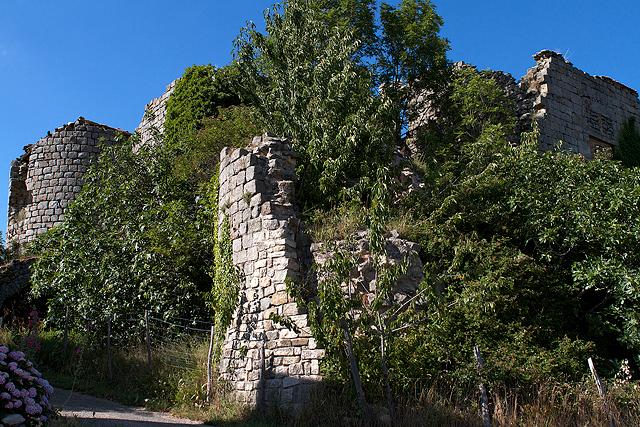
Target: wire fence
{"type": "Point", "coordinates": [173, 342]}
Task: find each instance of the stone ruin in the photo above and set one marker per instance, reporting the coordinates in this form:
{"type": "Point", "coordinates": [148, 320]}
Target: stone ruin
{"type": "Point", "coordinates": [270, 364]}
{"type": "Point", "coordinates": [48, 176]}
{"type": "Point", "coordinates": [585, 112]}
{"type": "Point", "coordinates": [582, 112]}
{"type": "Point", "coordinates": [267, 363]}
{"type": "Point", "coordinates": [155, 112]}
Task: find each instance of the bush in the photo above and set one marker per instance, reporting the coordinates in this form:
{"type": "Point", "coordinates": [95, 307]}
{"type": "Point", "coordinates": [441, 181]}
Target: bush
{"type": "Point", "coordinates": [135, 238]}
{"type": "Point", "coordinates": [23, 391]}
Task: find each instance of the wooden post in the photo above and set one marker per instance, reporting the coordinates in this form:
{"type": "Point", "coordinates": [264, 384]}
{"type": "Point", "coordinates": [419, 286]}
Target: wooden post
{"type": "Point", "coordinates": [147, 337]}
{"type": "Point", "coordinates": [109, 363]}
{"type": "Point", "coordinates": [596, 378]}
{"type": "Point", "coordinates": [209, 363]}
{"type": "Point", "coordinates": [355, 373]}
{"type": "Point", "coordinates": [601, 390]}
{"type": "Point", "coordinates": [484, 400]}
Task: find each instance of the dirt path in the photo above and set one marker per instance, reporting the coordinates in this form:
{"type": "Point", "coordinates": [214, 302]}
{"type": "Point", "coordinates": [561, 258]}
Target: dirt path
{"type": "Point", "coordinates": [100, 412]}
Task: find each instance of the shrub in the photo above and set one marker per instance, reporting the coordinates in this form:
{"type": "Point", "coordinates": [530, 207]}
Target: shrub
{"type": "Point", "coordinates": [628, 149]}
{"type": "Point", "coordinates": [23, 391]}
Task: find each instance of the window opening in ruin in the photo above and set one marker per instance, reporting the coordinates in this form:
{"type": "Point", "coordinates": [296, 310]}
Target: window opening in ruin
{"type": "Point", "coordinates": [598, 146]}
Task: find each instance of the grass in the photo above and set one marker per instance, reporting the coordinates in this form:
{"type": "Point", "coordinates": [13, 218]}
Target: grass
{"type": "Point", "coordinates": [176, 384]}
{"type": "Point", "coordinates": [336, 224]}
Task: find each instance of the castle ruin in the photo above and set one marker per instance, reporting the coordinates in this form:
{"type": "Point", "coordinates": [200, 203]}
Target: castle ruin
{"type": "Point", "coordinates": [268, 363]}
{"type": "Point", "coordinates": [48, 176]}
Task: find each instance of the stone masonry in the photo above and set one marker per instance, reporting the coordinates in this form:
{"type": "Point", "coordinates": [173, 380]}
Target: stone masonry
{"type": "Point", "coordinates": [154, 116]}
{"type": "Point", "coordinates": [268, 364]}
{"type": "Point", "coordinates": [584, 112]}
{"type": "Point", "coordinates": [45, 179]}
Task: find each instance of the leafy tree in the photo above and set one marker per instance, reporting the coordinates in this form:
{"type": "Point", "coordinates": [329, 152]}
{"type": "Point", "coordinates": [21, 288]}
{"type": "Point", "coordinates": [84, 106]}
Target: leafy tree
{"type": "Point", "coordinates": [628, 149]}
{"type": "Point", "coordinates": [302, 78]}
{"type": "Point", "coordinates": [411, 57]}
{"type": "Point", "coordinates": [359, 17]}
{"type": "Point", "coordinates": [529, 255]}
{"type": "Point", "coordinates": [135, 238]}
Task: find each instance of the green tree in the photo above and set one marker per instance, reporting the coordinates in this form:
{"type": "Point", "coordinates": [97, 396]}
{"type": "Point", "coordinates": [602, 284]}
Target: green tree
{"type": "Point", "coordinates": [134, 239]}
{"type": "Point", "coordinates": [411, 58]}
{"type": "Point", "coordinates": [628, 149]}
{"type": "Point", "coordinates": [302, 78]}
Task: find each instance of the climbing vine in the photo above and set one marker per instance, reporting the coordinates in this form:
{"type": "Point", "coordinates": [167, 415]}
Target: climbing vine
{"type": "Point", "coordinates": [226, 281]}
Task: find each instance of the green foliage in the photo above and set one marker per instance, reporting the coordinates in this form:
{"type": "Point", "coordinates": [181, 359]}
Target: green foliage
{"type": "Point", "coordinates": [411, 56]}
{"type": "Point", "coordinates": [135, 238]}
{"type": "Point", "coordinates": [305, 85]}
{"type": "Point", "coordinates": [198, 94]}
{"type": "Point", "coordinates": [231, 127]}
{"type": "Point", "coordinates": [357, 16]}
{"type": "Point", "coordinates": [529, 255]}
{"type": "Point", "coordinates": [628, 149]}
{"type": "Point", "coordinates": [226, 283]}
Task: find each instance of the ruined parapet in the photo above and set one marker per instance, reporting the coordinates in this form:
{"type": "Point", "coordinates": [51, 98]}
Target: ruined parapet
{"type": "Point", "coordinates": [155, 113]}
{"type": "Point", "coordinates": [49, 175]}
{"type": "Point", "coordinates": [362, 280]}
{"type": "Point", "coordinates": [267, 363]}
{"type": "Point", "coordinates": [585, 112]}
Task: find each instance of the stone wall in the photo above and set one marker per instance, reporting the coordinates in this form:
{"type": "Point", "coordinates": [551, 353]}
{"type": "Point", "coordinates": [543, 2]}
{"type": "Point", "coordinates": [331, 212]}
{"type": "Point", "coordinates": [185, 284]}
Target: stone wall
{"type": "Point", "coordinates": [267, 363]}
{"type": "Point", "coordinates": [48, 177]}
{"type": "Point", "coordinates": [579, 109]}
{"type": "Point", "coordinates": [585, 112]}
{"type": "Point", "coordinates": [154, 116]}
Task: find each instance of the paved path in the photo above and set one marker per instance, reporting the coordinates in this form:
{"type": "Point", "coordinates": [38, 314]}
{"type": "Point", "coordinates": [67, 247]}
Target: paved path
{"type": "Point", "coordinates": [100, 412]}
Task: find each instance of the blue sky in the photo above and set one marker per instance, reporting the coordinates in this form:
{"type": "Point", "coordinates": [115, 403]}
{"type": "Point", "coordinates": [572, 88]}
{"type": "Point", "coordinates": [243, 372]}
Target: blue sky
{"type": "Point", "coordinates": [105, 60]}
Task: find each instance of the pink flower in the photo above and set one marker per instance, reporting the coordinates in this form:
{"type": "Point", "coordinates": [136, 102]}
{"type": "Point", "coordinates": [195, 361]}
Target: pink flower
{"type": "Point", "coordinates": [4, 349]}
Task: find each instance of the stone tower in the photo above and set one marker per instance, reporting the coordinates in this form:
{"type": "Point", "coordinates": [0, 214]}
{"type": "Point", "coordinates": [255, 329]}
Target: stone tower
{"type": "Point", "coordinates": [48, 176]}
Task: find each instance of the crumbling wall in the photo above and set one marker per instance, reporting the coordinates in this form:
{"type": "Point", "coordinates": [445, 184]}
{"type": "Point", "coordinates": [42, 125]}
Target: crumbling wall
{"type": "Point", "coordinates": [571, 106]}
{"type": "Point", "coordinates": [49, 176]}
{"type": "Point", "coordinates": [268, 364]}
{"type": "Point", "coordinates": [154, 116]}
{"type": "Point", "coordinates": [585, 112]}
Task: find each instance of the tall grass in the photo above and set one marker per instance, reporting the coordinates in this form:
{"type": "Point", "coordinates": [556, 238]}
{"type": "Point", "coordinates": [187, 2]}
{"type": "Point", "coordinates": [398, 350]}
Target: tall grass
{"type": "Point", "coordinates": [176, 383]}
